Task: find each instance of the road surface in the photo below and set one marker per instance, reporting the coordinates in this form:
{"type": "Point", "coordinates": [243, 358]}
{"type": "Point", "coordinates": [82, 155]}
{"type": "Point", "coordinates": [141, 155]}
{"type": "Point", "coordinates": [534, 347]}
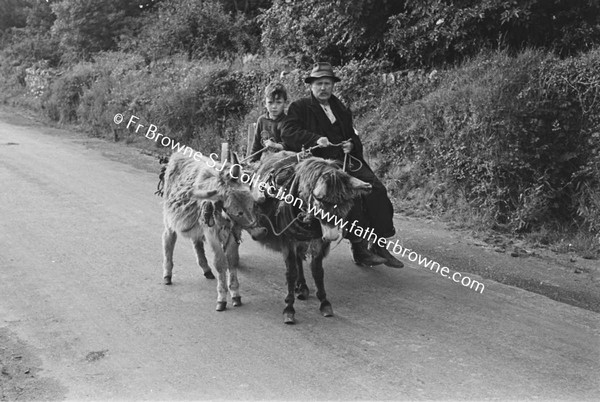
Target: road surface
{"type": "Point", "coordinates": [84, 314]}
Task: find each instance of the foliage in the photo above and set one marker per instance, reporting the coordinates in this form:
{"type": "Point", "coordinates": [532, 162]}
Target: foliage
{"type": "Point", "coordinates": [65, 94]}
{"type": "Point", "coordinates": [336, 31]}
{"type": "Point", "coordinates": [435, 32]}
{"type": "Point", "coordinates": [32, 41]}
{"type": "Point", "coordinates": [85, 27]}
{"type": "Point", "coordinates": [361, 85]}
{"type": "Point", "coordinates": [510, 136]}
{"type": "Point", "coordinates": [575, 82]}
{"type": "Point", "coordinates": [200, 105]}
{"type": "Point", "coordinates": [514, 137]}
{"type": "Point", "coordinates": [248, 7]}
{"type": "Point", "coordinates": [25, 47]}
{"type": "Point", "coordinates": [197, 29]}
{"type": "Point", "coordinates": [40, 17]}
{"type": "Point", "coordinates": [12, 14]}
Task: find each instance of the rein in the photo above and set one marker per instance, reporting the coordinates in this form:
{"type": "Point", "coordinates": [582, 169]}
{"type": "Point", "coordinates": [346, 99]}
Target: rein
{"type": "Point", "coordinates": [254, 154]}
{"type": "Point", "coordinates": [306, 152]}
{"type": "Point", "coordinates": [257, 152]}
{"type": "Point", "coordinates": [303, 216]}
{"type": "Point", "coordinates": [284, 229]}
{"type": "Point", "coordinates": [293, 183]}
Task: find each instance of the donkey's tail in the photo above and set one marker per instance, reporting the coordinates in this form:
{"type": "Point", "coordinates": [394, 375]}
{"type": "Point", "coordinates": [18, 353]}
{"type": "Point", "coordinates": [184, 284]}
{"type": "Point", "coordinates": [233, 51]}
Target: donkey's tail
{"type": "Point", "coordinates": [163, 160]}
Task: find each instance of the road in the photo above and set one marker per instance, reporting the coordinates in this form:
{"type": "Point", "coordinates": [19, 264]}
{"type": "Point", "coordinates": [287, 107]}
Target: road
{"type": "Point", "coordinates": [81, 297]}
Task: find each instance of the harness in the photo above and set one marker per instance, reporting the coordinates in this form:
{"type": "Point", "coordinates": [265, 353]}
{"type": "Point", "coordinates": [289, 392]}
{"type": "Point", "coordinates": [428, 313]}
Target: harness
{"type": "Point", "coordinates": [295, 222]}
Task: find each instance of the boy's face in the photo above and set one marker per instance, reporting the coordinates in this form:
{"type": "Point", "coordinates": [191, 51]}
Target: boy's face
{"type": "Point", "coordinates": [275, 106]}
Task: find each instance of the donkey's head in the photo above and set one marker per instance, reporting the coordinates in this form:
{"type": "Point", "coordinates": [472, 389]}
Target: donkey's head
{"type": "Point", "coordinates": [237, 200]}
{"type": "Point", "coordinates": [329, 193]}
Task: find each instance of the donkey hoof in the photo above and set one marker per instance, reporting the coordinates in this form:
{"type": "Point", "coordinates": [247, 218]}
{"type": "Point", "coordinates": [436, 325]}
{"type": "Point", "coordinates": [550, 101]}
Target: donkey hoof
{"type": "Point", "coordinates": [209, 275]}
{"type": "Point", "coordinates": [288, 318]}
{"type": "Point", "coordinates": [302, 292]}
{"type": "Point", "coordinates": [327, 310]}
{"type": "Point", "coordinates": [221, 306]}
{"type": "Point", "coordinates": [167, 280]}
{"type": "Point", "coordinates": [237, 301]}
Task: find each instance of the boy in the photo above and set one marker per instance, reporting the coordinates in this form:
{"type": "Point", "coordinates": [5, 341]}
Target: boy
{"type": "Point", "coordinates": [268, 126]}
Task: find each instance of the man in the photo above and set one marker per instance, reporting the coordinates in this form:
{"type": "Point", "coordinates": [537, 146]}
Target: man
{"type": "Point", "coordinates": [323, 120]}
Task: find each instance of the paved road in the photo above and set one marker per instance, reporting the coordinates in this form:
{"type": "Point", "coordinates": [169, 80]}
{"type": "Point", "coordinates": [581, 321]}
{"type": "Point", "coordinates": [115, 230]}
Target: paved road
{"type": "Point", "coordinates": [81, 287]}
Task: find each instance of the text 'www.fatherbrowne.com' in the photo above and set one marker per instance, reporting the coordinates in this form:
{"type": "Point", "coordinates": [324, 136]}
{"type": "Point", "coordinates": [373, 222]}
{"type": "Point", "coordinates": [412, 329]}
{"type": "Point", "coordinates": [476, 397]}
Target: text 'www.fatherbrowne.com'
{"type": "Point", "coordinates": [370, 235]}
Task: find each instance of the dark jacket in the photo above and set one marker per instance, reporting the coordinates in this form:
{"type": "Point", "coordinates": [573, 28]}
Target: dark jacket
{"type": "Point", "coordinates": [266, 129]}
{"type": "Point", "coordinates": [306, 122]}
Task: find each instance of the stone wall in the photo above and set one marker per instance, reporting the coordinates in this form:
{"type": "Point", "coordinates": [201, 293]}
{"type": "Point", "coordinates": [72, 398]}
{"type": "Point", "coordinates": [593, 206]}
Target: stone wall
{"type": "Point", "coordinates": [38, 78]}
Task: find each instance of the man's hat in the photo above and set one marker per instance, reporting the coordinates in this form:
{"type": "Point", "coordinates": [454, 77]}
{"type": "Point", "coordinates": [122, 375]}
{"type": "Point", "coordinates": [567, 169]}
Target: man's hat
{"type": "Point", "coordinates": [321, 70]}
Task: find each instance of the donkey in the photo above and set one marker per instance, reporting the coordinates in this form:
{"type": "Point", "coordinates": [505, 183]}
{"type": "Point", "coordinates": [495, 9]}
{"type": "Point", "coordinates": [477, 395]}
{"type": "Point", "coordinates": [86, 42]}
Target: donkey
{"type": "Point", "coordinates": [295, 227]}
{"type": "Point", "coordinates": [206, 203]}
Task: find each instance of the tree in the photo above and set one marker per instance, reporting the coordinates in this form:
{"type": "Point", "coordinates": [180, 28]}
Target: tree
{"type": "Point", "coordinates": [337, 31]}
{"type": "Point", "coordinates": [248, 7]}
{"type": "Point", "coordinates": [13, 13]}
{"type": "Point", "coordinates": [40, 17]}
{"type": "Point", "coordinates": [434, 32]}
{"type": "Point", "coordinates": [28, 42]}
{"type": "Point", "coordinates": [88, 26]}
{"type": "Point", "coordinates": [197, 28]}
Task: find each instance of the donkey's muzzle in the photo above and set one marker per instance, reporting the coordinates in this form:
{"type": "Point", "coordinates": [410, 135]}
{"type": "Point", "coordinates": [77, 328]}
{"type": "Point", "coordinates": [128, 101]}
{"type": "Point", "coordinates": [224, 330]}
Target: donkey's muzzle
{"type": "Point", "coordinates": [330, 233]}
{"type": "Point", "coordinates": [257, 232]}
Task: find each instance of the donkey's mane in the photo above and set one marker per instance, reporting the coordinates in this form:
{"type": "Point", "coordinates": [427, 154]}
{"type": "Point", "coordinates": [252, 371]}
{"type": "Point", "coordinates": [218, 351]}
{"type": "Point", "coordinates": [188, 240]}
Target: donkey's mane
{"type": "Point", "coordinates": [311, 170]}
{"type": "Point", "coordinates": [340, 193]}
{"type": "Point", "coordinates": [184, 173]}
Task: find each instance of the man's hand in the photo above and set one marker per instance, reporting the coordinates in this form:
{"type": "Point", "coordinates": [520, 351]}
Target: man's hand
{"type": "Point", "coordinates": [273, 145]}
{"type": "Point", "coordinates": [347, 146]}
{"type": "Point", "coordinates": [323, 142]}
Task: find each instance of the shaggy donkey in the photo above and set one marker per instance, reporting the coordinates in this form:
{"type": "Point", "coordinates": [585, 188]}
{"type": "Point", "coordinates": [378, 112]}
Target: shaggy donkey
{"type": "Point", "coordinates": [294, 227]}
{"type": "Point", "coordinates": [205, 202]}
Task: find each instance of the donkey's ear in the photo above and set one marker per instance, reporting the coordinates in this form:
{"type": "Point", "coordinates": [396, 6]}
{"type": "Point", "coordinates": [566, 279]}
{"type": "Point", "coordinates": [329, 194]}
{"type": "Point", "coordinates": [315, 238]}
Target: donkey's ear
{"type": "Point", "coordinates": [360, 187]}
{"type": "Point", "coordinates": [209, 195]}
{"type": "Point", "coordinates": [359, 184]}
{"type": "Point", "coordinates": [233, 157]}
{"type": "Point", "coordinates": [320, 190]}
{"type": "Point", "coordinates": [235, 171]}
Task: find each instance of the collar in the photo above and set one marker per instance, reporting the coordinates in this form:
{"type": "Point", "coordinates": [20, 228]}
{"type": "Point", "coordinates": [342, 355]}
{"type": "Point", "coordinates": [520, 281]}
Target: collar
{"type": "Point", "coordinates": [332, 101]}
{"type": "Point", "coordinates": [279, 118]}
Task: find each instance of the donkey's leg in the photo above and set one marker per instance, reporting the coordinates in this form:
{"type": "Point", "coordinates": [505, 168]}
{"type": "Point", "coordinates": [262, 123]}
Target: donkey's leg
{"type": "Point", "coordinates": [316, 267]}
{"type": "Point", "coordinates": [169, 238]}
{"type": "Point", "coordinates": [219, 263]}
{"type": "Point", "coordinates": [291, 275]}
{"type": "Point", "coordinates": [301, 287]}
{"type": "Point", "coordinates": [232, 250]}
{"type": "Point", "coordinates": [234, 285]}
{"type": "Point", "coordinates": [231, 254]}
{"type": "Point", "coordinates": [201, 258]}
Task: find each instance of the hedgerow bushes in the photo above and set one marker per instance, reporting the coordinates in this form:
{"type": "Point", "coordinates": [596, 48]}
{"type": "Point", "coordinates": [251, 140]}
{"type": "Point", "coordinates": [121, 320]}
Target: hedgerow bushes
{"type": "Point", "coordinates": [510, 138]}
{"type": "Point", "coordinates": [514, 140]}
{"type": "Point", "coordinates": [199, 104]}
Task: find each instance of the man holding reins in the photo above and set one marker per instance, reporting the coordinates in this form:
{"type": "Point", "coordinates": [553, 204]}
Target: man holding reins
{"type": "Point", "coordinates": [323, 120]}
